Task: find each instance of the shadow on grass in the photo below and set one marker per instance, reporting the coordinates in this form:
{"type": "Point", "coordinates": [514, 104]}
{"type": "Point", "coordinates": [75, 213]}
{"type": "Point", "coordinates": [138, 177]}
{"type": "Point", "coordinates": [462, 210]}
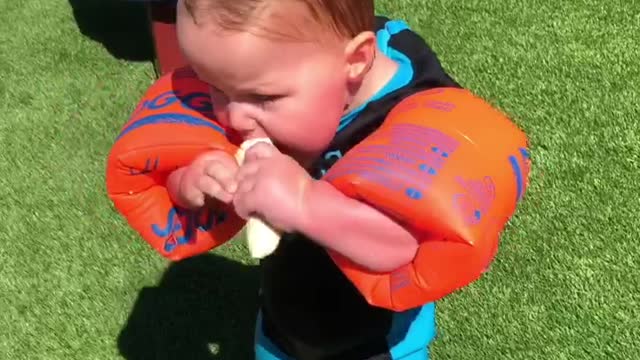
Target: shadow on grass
{"type": "Point", "coordinates": [121, 26]}
{"type": "Point", "coordinates": [204, 308]}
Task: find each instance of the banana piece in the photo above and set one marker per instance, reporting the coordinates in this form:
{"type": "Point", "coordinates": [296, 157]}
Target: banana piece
{"type": "Point", "coordinates": [262, 239]}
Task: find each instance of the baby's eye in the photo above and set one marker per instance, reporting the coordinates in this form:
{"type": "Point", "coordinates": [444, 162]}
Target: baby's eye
{"type": "Point", "coordinates": [217, 93]}
{"type": "Point", "coordinates": [263, 98]}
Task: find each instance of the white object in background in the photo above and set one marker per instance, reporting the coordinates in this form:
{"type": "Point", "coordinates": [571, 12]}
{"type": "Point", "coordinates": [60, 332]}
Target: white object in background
{"type": "Point", "coordinates": [262, 239]}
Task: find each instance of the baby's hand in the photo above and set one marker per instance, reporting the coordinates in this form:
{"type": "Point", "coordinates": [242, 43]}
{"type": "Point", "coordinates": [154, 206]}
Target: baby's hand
{"type": "Point", "coordinates": [211, 175]}
{"type": "Point", "coordinates": [271, 187]}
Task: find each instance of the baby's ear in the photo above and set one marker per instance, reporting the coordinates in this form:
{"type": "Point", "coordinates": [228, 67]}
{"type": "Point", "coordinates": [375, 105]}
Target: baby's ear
{"type": "Point", "coordinates": [360, 53]}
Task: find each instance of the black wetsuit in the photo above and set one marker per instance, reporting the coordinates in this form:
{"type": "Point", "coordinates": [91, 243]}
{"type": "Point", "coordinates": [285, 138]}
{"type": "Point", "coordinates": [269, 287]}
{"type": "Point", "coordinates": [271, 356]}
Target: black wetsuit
{"type": "Point", "coordinates": [310, 310]}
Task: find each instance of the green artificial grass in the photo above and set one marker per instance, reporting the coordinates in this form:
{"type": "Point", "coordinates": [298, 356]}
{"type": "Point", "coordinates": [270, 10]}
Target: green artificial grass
{"type": "Point", "coordinates": [77, 283]}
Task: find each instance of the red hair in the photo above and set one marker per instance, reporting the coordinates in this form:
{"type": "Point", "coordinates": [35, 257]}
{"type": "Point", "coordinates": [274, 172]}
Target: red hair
{"type": "Point", "coordinates": [345, 18]}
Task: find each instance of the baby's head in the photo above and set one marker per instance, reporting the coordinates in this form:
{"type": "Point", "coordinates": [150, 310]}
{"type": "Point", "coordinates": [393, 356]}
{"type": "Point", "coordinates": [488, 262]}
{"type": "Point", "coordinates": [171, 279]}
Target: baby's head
{"type": "Point", "coordinates": [286, 69]}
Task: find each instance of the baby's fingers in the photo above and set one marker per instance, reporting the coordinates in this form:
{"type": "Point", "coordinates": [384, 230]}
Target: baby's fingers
{"type": "Point", "coordinates": [223, 174]}
{"type": "Point", "coordinates": [212, 188]}
{"type": "Point", "coordinates": [261, 150]}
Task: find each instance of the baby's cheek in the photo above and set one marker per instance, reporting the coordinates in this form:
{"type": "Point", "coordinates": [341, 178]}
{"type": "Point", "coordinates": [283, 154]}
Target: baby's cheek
{"type": "Point", "coordinates": [319, 123]}
{"type": "Point", "coordinates": [310, 120]}
{"type": "Point", "coordinates": [306, 133]}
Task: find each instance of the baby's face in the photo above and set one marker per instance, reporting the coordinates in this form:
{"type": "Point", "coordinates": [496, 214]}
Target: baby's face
{"type": "Point", "coordinates": [293, 92]}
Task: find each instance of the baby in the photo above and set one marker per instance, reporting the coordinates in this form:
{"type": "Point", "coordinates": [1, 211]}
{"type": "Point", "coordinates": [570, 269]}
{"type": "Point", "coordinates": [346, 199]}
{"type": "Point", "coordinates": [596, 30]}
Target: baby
{"type": "Point", "coordinates": [315, 77]}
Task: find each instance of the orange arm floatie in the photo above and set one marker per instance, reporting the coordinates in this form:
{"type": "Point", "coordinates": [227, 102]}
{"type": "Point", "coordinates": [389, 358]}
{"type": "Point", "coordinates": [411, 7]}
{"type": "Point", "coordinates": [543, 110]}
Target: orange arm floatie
{"type": "Point", "coordinates": [451, 169]}
{"type": "Point", "coordinates": [172, 124]}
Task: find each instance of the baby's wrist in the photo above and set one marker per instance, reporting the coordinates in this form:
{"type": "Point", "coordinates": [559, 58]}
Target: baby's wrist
{"type": "Point", "coordinates": [173, 186]}
{"type": "Point", "coordinates": [306, 222]}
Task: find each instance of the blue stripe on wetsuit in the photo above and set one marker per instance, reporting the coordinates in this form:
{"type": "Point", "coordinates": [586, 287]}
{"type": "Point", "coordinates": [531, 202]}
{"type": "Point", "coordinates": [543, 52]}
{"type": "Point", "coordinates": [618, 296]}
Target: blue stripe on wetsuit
{"type": "Point", "coordinates": [402, 77]}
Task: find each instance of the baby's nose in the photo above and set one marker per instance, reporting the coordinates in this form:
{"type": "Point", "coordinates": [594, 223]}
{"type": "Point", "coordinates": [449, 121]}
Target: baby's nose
{"type": "Point", "coordinates": [240, 120]}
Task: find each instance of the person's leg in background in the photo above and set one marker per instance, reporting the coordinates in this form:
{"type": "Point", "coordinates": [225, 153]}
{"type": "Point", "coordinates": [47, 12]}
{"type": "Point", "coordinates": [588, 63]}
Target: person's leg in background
{"type": "Point", "coordinates": [162, 19]}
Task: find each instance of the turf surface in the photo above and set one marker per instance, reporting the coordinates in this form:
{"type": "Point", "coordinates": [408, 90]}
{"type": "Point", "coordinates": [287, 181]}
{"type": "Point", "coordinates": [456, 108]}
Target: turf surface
{"type": "Point", "coordinates": [76, 283]}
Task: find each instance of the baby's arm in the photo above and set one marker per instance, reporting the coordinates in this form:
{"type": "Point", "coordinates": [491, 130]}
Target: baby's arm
{"type": "Point", "coordinates": [450, 170]}
{"type": "Point", "coordinates": [355, 230]}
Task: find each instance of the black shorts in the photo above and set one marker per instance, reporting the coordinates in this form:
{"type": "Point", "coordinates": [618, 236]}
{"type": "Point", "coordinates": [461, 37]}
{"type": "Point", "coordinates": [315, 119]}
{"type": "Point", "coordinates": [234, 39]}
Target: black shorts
{"type": "Point", "coordinates": [311, 311]}
{"type": "Point", "coordinates": [269, 346]}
